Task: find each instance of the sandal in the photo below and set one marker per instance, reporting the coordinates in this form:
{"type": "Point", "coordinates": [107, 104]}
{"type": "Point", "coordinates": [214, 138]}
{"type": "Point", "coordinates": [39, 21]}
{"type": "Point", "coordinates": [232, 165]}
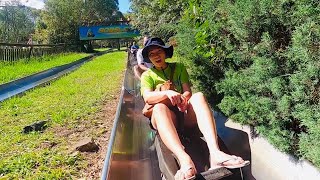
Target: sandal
{"type": "Point", "coordinates": [180, 175]}
{"type": "Point", "coordinates": [235, 166]}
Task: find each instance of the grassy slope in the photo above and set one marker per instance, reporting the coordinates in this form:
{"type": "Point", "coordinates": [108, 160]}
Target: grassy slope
{"type": "Point", "coordinates": [21, 68]}
{"type": "Point", "coordinates": [66, 104]}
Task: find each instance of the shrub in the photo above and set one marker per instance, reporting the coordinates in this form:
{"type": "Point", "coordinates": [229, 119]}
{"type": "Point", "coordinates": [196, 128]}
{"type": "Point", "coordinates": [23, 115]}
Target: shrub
{"type": "Point", "coordinates": [258, 62]}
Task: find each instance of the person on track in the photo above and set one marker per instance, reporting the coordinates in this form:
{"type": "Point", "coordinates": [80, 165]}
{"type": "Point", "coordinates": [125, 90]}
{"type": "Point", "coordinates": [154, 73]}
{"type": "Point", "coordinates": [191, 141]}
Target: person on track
{"type": "Point", "coordinates": [194, 107]}
{"type": "Point", "coordinates": [143, 64]}
{"type": "Point", "coordinates": [134, 48]}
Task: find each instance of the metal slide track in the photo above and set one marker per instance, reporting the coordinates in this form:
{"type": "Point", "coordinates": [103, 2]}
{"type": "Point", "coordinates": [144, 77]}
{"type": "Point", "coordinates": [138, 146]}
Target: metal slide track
{"type": "Point", "coordinates": [131, 154]}
{"type": "Point", "coordinates": [18, 86]}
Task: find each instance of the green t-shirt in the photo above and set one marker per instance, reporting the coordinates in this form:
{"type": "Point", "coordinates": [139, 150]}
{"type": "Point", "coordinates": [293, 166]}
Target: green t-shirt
{"type": "Point", "coordinates": [152, 77]}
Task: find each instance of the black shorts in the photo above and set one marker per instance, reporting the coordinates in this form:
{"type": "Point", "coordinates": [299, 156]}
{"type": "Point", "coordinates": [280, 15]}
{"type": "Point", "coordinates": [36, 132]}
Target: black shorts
{"type": "Point", "coordinates": [174, 109]}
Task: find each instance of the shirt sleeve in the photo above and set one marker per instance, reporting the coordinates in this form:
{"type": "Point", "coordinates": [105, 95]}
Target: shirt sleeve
{"type": "Point", "coordinates": [146, 82]}
{"type": "Point", "coordinates": [139, 57]}
{"type": "Point", "coordinates": [184, 78]}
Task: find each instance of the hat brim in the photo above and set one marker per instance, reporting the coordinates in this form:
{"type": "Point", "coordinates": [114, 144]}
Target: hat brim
{"type": "Point", "coordinates": [167, 49]}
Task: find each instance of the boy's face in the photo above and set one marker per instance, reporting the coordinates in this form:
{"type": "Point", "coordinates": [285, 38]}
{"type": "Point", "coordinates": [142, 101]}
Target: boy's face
{"type": "Point", "coordinates": [157, 56]}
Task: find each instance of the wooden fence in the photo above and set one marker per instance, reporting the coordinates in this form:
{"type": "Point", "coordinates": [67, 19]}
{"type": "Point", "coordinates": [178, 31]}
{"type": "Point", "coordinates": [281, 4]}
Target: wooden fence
{"type": "Point", "coordinates": [13, 52]}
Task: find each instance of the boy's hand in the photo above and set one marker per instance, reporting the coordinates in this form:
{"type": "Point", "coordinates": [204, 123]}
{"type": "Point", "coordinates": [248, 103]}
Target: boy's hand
{"type": "Point", "coordinates": [183, 105]}
{"type": "Point", "coordinates": [174, 97]}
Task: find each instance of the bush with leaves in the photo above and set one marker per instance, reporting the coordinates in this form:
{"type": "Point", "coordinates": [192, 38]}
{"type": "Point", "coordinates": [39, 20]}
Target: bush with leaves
{"type": "Point", "coordinates": [258, 62]}
{"type": "Point", "coordinates": [157, 17]}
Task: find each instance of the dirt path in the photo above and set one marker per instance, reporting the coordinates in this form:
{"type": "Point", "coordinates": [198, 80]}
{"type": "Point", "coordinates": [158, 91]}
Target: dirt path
{"type": "Point", "coordinates": [104, 119]}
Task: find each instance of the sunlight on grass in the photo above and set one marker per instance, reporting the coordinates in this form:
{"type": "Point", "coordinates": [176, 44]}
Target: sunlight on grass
{"type": "Point", "coordinates": [11, 71]}
{"type": "Point", "coordinates": [102, 49]}
{"type": "Point", "coordinates": [66, 104]}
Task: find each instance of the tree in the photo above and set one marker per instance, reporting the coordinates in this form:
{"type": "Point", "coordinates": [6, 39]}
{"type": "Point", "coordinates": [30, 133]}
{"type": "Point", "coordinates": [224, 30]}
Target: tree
{"type": "Point", "coordinates": [61, 19]}
{"type": "Point", "coordinates": [162, 14]}
{"type": "Point", "coordinates": [16, 23]}
{"type": "Point", "coordinates": [100, 10]}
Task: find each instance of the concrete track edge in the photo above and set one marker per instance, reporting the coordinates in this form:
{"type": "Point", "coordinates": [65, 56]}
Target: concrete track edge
{"type": "Point", "coordinates": [269, 163]}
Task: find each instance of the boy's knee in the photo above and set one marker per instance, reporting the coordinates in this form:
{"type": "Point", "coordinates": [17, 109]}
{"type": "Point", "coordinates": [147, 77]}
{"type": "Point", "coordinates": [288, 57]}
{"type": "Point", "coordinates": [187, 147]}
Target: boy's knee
{"type": "Point", "coordinates": [159, 107]}
{"type": "Point", "coordinates": [199, 95]}
{"type": "Point", "coordinates": [198, 98]}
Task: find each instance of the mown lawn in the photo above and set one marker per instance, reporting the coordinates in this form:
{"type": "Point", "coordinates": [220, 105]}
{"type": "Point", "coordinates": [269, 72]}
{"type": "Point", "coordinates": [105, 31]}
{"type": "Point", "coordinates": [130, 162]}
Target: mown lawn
{"type": "Point", "coordinates": [24, 67]}
{"type": "Point", "coordinates": [67, 104]}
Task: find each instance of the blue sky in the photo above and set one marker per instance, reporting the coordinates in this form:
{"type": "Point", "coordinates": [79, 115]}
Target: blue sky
{"type": "Point", "coordinates": [124, 5]}
{"type": "Point", "coordinates": [32, 3]}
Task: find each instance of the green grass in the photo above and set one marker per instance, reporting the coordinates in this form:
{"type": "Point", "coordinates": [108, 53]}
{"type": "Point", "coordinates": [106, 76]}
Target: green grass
{"type": "Point", "coordinates": [11, 71]}
{"type": "Point", "coordinates": [68, 104]}
{"type": "Point", "coordinates": [102, 49]}
{"type": "Point", "coordinates": [105, 49]}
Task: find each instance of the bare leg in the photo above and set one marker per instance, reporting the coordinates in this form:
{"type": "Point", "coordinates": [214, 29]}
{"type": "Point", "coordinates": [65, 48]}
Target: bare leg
{"type": "Point", "coordinates": [164, 120]}
{"type": "Point", "coordinates": [199, 109]}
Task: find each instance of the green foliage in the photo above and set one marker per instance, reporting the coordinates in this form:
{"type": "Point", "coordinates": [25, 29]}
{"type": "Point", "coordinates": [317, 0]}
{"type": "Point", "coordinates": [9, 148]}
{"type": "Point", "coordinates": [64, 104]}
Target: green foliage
{"type": "Point", "coordinates": [157, 18]}
{"type": "Point", "coordinates": [16, 23]}
{"type": "Point", "coordinates": [258, 62]}
{"type": "Point", "coordinates": [61, 19]}
{"type": "Point", "coordinates": [199, 50]}
{"type": "Point", "coordinates": [100, 10]}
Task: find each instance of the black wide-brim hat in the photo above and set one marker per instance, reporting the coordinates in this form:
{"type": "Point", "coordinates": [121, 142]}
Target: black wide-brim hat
{"type": "Point", "coordinates": [156, 42]}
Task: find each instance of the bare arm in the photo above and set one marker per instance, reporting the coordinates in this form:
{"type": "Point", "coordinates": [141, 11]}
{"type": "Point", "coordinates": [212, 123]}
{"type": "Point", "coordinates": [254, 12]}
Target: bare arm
{"type": "Point", "coordinates": [153, 97]}
{"type": "Point", "coordinates": [143, 67]}
{"type": "Point", "coordinates": [186, 91]}
{"type": "Point", "coordinates": [186, 95]}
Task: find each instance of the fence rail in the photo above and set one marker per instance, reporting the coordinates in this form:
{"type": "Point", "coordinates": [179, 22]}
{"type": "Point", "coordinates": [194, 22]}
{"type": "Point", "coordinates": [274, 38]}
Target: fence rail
{"type": "Point", "coordinates": [13, 52]}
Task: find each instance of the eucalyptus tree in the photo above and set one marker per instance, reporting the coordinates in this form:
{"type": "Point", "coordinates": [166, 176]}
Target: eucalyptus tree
{"type": "Point", "coordinates": [100, 10]}
{"type": "Point", "coordinates": [16, 23]}
{"type": "Point", "coordinates": [61, 18]}
{"type": "Point", "coordinates": [157, 17]}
